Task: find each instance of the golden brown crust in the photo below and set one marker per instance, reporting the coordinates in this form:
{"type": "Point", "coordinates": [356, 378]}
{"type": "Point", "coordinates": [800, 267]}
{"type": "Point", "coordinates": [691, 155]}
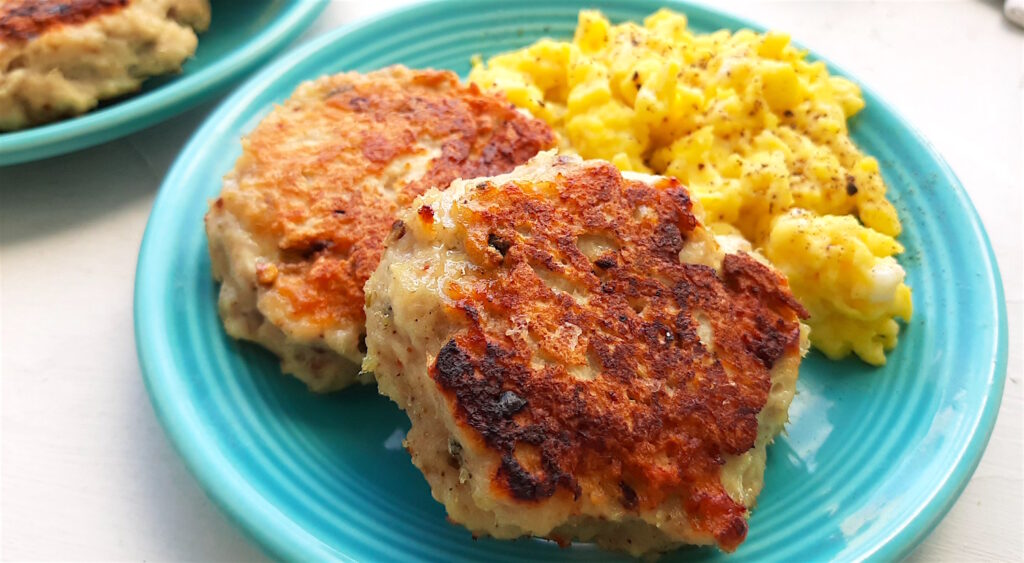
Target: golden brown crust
{"type": "Point", "coordinates": [329, 203]}
{"type": "Point", "coordinates": [21, 20]}
{"type": "Point", "coordinates": [663, 409]}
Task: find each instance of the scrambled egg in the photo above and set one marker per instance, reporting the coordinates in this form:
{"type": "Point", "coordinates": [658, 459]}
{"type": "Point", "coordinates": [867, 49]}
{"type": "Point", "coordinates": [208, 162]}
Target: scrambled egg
{"type": "Point", "coordinates": [846, 276]}
{"type": "Point", "coordinates": [757, 133]}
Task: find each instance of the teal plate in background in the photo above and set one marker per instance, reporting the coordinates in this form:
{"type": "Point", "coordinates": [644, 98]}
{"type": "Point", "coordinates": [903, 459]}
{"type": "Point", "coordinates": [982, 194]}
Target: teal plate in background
{"type": "Point", "coordinates": [873, 457]}
{"type": "Point", "coordinates": [242, 35]}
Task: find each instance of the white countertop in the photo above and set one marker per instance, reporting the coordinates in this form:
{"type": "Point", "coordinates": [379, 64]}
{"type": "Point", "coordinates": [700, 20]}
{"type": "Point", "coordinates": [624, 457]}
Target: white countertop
{"type": "Point", "coordinates": [87, 472]}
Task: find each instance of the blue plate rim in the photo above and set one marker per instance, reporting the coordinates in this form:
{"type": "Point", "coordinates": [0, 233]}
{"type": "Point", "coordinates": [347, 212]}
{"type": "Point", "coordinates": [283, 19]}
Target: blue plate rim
{"type": "Point", "coordinates": [142, 110]}
{"type": "Point", "coordinates": [263, 523]}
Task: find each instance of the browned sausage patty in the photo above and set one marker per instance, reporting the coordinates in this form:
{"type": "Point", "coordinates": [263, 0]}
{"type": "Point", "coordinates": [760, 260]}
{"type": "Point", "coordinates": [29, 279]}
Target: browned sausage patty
{"type": "Point", "coordinates": [21, 20]}
{"type": "Point", "coordinates": [580, 359]}
{"type": "Point", "coordinates": [300, 223]}
{"type": "Point", "coordinates": [60, 58]}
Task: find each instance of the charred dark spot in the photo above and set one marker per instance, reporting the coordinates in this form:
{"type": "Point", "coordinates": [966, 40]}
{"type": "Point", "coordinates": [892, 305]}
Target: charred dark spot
{"type": "Point", "coordinates": [471, 313]}
{"type": "Point", "coordinates": [744, 274]}
{"type": "Point", "coordinates": [684, 216]}
{"type": "Point", "coordinates": [605, 262]}
{"type": "Point", "coordinates": [509, 403]}
{"type": "Point", "coordinates": [668, 239]}
{"type": "Point", "coordinates": [521, 483]}
{"type": "Point", "coordinates": [775, 337]}
{"type": "Point", "coordinates": [485, 406]}
{"type": "Point", "coordinates": [499, 243]}
{"type": "Point", "coordinates": [629, 498]}
{"type": "Point", "coordinates": [338, 211]}
{"type": "Point", "coordinates": [453, 365]}
{"type": "Point", "coordinates": [788, 113]}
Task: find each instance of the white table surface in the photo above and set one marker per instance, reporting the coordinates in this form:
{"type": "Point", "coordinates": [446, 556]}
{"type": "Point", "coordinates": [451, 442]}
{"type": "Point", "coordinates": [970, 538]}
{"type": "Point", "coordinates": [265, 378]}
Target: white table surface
{"type": "Point", "coordinates": [87, 472]}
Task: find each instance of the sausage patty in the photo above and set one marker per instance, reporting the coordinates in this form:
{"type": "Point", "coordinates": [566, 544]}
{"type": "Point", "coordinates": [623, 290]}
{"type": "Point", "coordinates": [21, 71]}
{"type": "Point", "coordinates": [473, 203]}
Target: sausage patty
{"type": "Point", "coordinates": [60, 58]}
{"type": "Point", "coordinates": [581, 359]}
{"type": "Point", "coordinates": [301, 220]}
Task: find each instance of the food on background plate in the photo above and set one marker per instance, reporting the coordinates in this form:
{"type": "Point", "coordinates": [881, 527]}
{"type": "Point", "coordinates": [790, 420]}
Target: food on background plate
{"type": "Point", "coordinates": [580, 359]}
{"type": "Point", "coordinates": [757, 134]}
{"type": "Point", "coordinates": [60, 58]}
{"type": "Point", "coordinates": [300, 224]}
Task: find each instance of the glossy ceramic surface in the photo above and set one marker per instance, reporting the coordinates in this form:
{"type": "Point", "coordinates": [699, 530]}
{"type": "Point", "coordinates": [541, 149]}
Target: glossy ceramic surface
{"type": "Point", "coordinates": [873, 457]}
{"type": "Point", "coordinates": [242, 36]}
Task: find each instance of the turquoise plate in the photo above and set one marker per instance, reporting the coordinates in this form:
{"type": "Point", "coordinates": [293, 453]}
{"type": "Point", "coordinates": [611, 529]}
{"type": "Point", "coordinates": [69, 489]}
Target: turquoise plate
{"type": "Point", "coordinates": [242, 35]}
{"type": "Point", "coordinates": [873, 457]}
